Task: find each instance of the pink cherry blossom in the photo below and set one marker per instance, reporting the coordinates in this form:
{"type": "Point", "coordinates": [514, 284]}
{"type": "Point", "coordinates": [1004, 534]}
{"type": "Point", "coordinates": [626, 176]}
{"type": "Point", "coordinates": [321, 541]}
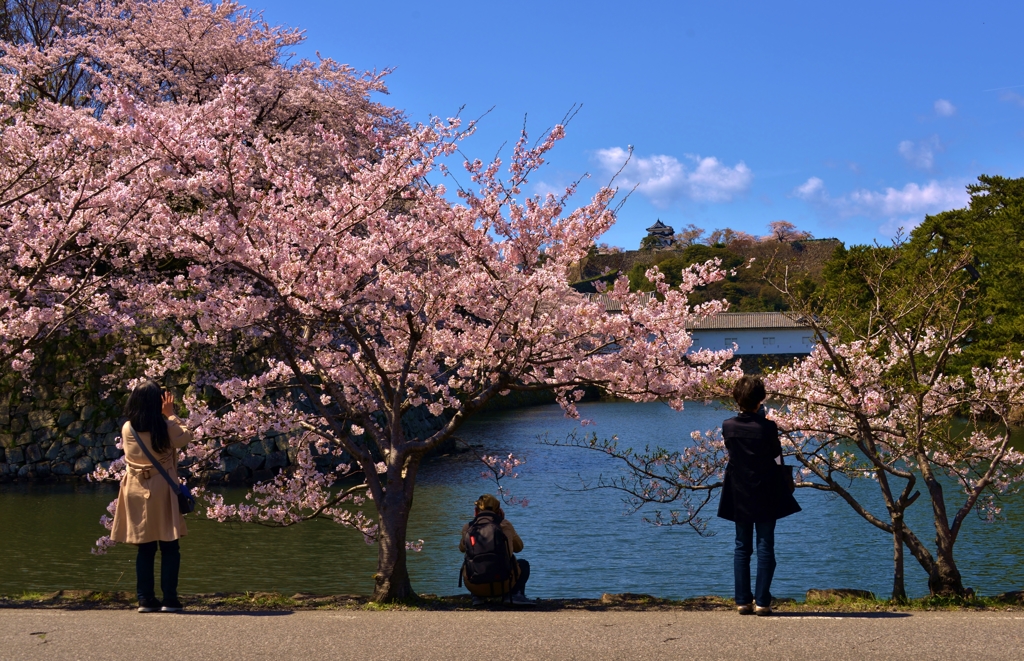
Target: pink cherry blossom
{"type": "Point", "coordinates": [295, 243]}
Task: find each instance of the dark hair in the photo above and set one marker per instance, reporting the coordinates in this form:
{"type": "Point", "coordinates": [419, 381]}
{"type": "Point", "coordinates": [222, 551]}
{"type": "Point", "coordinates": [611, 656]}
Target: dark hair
{"type": "Point", "coordinates": [749, 392]}
{"type": "Point", "coordinates": [145, 411]}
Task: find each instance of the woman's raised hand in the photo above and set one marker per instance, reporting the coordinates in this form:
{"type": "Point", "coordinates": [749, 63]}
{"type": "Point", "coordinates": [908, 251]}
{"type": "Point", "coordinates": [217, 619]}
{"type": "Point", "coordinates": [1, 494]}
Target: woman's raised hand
{"type": "Point", "coordinates": [167, 404]}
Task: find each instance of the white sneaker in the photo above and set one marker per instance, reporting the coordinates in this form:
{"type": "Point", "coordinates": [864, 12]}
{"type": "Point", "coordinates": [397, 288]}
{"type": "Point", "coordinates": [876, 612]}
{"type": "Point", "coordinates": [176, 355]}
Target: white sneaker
{"type": "Point", "coordinates": [478, 601]}
{"type": "Point", "coordinates": [149, 606]}
{"type": "Point", "coordinates": [522, 600]}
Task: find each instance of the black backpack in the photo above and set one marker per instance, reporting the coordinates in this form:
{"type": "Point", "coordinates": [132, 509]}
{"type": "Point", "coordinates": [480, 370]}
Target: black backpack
{"type": "Point", "coordinates": [488, 559]}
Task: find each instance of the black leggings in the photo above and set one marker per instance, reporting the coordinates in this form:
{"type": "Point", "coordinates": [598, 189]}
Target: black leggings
{"type": "Point", "coordinates": [145, 561]}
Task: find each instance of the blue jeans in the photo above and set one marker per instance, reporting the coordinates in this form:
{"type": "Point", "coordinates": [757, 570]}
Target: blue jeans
{"type": "Point", "coordinates": [145, 562]}
{"type": "Point", "coordinates": [765, 562]}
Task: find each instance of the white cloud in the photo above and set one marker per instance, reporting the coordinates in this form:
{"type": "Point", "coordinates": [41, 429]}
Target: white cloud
{"type": "Point", "coordinates": [810, 189]}
{"type": "Point", "coordinates": [920, 154]}
{"type": "Point", "coordinates": [911, 199]}
{"type": "Point", "coordinates": [897, 207]}
{"type": "Point", "coordinates": [944, 108]}
{"type": "Point", "coordinates": [898, 225]}
{"type": "Point", "coordinates": [543, 189]}
{"type": "Point", "coordinates": [664, 179]}
{"type": "Point", "coordinates": [1012, 97]}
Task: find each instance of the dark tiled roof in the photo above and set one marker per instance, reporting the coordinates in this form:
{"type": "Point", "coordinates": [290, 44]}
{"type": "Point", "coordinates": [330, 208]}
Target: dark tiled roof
{"type": "Point", "coordinates": [751, 320]}
{"type": "Point", "coordinates": [660, 228]}
{"type": "Point", "coordinates": [611, 305]}
{"type": "Point", "coordinates": [724, 321]}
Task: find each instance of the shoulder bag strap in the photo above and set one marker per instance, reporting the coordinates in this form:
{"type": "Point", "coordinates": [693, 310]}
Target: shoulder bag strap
{"type": "Point", "coordinates": [152, 460]}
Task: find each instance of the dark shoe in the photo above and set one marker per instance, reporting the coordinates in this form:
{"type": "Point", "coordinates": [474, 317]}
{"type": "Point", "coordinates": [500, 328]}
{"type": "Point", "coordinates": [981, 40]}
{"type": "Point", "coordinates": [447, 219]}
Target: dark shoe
{"type": "Point", "coordinates": [522, 600]}
{"type": "Point", "coordinates": [148, 605]}
{"type": "Point", "coordinates": [763, 610]}
{"type": "Point", "coordinates": [171, 606]}
{"type": "Point", "coordinates": [745, 609]}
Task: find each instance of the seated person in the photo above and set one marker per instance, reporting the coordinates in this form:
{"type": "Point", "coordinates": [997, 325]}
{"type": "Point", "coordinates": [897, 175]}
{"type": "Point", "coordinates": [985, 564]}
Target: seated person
{"type": "Point", "coordinates": [491, 568]}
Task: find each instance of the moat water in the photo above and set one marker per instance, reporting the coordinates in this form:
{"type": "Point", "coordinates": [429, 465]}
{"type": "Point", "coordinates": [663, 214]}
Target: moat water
{"type": "Point", "coordinates": [580, 544]}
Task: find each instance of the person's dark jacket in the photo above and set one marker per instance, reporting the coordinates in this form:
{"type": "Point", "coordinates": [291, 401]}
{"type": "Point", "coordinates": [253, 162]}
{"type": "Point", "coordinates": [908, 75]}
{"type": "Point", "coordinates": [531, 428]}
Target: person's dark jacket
{"type": "Point", "coordinates": [756, 488]}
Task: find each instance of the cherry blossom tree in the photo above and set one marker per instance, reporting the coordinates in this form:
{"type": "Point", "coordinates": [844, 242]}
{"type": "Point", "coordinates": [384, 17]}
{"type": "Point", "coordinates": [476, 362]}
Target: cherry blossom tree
{"type": "Point", "coordinates": [783, 230]}
{"type": "Point", "coordinates": [35, 21]}
{"type": "Point", "coordinates": [690, 235]}
{"type": "Point", "coordinates": [685, 480]}
{"type": "Point", "coordinates": [372, 294]}
{"type": "Point", "coordinates": [66, 205]}
{"type": "Point", "coordinates": [292, 240]}
{"type": "Point", "coordinates": [730, 238]}
{"type": "Point", "coordinates": [76, 178]}
{"type": "Point", "coordinates": [875, 399]}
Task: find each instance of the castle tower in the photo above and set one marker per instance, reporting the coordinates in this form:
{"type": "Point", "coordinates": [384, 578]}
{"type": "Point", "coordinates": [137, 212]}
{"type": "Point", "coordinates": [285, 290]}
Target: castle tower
{"type": "Point", "coordinates": [660, 235]}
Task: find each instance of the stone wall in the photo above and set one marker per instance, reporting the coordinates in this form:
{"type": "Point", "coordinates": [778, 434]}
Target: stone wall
{"type": "Point", "coordinates": [61, 428]}
{"type": "Point", "coordinates": [63, 433]}
{"type": "Point", "coordinates": [64, 444]}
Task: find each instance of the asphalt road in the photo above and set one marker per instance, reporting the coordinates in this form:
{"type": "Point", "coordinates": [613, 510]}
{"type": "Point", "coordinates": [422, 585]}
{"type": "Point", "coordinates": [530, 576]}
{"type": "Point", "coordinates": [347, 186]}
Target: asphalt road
{"type": "Point", "coordinates": [27, 635]}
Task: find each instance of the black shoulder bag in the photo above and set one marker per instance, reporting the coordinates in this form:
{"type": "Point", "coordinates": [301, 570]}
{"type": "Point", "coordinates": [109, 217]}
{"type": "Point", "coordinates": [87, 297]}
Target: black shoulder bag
{"type": "Point", "coordinates": [786, 476]}
{"type": "Point", "coordinates": [186, 501]}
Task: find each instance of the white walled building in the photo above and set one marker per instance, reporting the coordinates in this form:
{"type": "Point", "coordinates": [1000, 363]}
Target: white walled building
{"type": "Point", "coordinates": [753, 333]}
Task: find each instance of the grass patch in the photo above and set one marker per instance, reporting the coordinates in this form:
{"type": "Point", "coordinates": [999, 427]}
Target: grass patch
{"type": "Point", "coordinates": [273, 601]}
{"type": "Point", "coordinates": [931, 603]}
{"type": "Point", "coordinates": [270, 601]}
{"type": "Point", "coordinates": [68, 599]}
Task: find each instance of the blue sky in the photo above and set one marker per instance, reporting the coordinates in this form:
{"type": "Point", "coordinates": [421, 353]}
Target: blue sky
{"type": "Point", "coordinates": [847, 119]}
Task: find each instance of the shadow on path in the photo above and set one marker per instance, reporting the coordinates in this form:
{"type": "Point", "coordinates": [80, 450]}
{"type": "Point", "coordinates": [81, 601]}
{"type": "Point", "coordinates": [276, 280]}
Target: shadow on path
{"type": "Point", "coordinates": [234, 612]}
{"type": "Point", "coordinates": [831, 615]}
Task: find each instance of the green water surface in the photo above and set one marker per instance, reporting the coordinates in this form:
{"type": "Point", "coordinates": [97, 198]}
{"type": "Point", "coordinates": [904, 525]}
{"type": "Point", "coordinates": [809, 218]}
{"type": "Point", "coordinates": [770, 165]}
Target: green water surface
{"type": "Point", "coordinates": [580, 544]}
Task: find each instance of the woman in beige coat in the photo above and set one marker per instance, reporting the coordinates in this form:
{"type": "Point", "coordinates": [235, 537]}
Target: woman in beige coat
{"type": "Point", "coordinates": [147, 508]}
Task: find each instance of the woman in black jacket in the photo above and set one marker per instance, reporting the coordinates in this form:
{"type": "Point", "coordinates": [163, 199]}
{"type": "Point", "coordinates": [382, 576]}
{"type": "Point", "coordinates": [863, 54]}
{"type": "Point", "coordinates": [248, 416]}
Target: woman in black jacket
{"type": "Point", "coordinates": [755, 495]}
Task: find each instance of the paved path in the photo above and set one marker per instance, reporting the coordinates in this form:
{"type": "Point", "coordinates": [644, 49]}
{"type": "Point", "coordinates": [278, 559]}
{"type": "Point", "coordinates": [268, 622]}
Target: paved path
{"type": "Point", "coordinates": [27, 635]}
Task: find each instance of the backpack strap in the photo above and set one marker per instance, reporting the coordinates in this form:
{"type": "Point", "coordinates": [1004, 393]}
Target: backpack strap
{"type": "Point", "coordinates": [156, 464]}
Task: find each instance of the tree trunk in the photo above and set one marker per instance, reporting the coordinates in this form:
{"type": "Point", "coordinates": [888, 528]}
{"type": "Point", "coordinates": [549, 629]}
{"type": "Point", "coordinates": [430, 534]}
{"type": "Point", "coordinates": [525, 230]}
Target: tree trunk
{"type": "Point", "coordinates": [392, 577]}
{"type": "Point", "coordinates": [899, 590]}
{"type": "Point", "coordinates": [944, 577]}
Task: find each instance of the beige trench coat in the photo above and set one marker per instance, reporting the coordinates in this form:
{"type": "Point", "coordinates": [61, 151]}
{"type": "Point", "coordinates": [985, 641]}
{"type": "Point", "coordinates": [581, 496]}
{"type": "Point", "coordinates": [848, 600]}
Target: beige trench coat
{"type": "Point", "coordinates": [147, 509]}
